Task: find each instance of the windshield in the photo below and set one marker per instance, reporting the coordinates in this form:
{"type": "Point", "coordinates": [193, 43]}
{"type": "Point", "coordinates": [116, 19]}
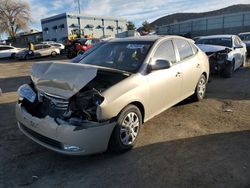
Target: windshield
{"type": "Point", "coordinates": [78, 58]}
{"type": "Point", "coordinates": [245, 37]}
{"type": "Point", "coordinates": [216, 41]}
{"type": "Point", "coordinates": [125, 56]}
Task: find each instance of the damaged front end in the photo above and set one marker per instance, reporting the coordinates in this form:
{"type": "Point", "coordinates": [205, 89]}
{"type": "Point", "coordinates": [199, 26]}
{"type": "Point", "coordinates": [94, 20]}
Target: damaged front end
{"type": "Point", "coordinates": [218, 60]}
{"type": "Point", "coordinates": [68, 117]}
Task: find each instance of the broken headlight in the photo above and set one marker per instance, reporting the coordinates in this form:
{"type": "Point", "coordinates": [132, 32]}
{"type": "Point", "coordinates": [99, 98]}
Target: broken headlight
{"type": "Point", "coordinates": [25, 91]}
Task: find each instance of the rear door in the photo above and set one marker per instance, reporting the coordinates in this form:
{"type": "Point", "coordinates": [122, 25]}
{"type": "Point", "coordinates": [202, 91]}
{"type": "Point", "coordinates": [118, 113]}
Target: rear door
{"type": "Point", "coordinates": [47, 49]}
{"type": "Point", "coordinates": [190, 65]}
{"type": "Point", "coordinates": [164, 85]}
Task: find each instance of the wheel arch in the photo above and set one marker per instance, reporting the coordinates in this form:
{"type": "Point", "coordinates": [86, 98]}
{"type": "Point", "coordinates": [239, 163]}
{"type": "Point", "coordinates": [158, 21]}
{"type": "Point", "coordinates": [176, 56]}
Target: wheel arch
{"type": "Point", "coordinates": [141, 108]}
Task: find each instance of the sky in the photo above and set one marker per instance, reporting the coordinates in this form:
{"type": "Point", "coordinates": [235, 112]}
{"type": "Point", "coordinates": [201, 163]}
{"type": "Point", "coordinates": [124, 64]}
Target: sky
{"type": "Point", "coordinates": [133, 10]}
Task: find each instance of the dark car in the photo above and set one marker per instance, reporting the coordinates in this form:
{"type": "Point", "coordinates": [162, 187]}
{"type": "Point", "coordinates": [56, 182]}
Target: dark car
{"type": "Point", "coordinates": [79, 46]}
{"type": "Point", "coordinates": [78, 58]}
{"type": "Point", "coordinates": [245, 37]}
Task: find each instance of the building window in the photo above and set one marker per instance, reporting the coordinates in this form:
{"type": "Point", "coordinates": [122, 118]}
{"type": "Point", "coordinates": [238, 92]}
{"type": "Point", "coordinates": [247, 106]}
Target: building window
{"type": "Point", "coordinates": [46, 30]}
{"type": "Point", "coordinates": [89, 26]}
{"type": "Point", "coordinates": [99, 27]}
{"type": "Point", "coordinates": [55, 28]}
{"type": "Point", "coordinates": [61, 27]}
{"type": "Point", "coordinates": [110, 27]}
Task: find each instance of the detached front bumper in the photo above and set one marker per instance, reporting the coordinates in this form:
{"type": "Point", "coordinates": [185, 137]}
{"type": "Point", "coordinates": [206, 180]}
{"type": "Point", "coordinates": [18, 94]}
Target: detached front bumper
{"type": "Point", "coordinates": [88, 138]}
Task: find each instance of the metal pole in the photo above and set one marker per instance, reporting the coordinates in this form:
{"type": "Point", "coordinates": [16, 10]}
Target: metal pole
{"type": "Point", "coordinates": [79, 9]}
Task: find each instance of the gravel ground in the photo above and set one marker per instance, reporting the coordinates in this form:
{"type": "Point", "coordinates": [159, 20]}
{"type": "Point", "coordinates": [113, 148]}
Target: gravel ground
{"type": "Point", "coordinates": [202, 144]}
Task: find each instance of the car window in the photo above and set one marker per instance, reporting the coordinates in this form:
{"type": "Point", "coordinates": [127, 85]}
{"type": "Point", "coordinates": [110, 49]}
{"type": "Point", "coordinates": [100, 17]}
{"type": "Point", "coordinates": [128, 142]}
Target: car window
{"type": "Point", "coordinates": [184, 48]}
{"type": "Point", "coordinates": [38, 47]}
{"type": "Point", "coordinates": [166, 51]}
{"type": "Point", "coordinates": [195, 49]}
{"type": "Point", "coordinates": [57, 45]}
{"type": "Point", "coordinates": [216, 41]}
{"type": "Point", "coordinates": [46, 46]}
{"type": "Point", "coordinates": [126, 56]}
{"type": "Point", "coordinates": [245, 37]}
{"type": "Point", "coordinates": [239, 41]}
{"type": "Point", "coordinates": [6, 48]}
{"type": "Point", "coordinates": [235, 42]}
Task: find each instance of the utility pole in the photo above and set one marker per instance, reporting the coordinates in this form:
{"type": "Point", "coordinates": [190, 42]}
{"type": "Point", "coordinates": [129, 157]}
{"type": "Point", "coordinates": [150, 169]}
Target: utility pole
{"type": "Point", "coordinates": [78, 4]}
{"type": "Point", "coordinates": [79, 11]}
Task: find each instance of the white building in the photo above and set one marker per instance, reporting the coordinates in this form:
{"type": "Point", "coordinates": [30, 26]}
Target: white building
{"type": "Point", "coordinates": [58, 27]}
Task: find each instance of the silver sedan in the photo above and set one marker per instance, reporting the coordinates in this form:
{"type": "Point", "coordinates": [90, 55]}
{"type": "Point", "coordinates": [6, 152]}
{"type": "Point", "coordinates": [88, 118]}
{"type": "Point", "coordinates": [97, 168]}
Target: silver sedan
{"type": "Point", "coordinates": [102, 101]}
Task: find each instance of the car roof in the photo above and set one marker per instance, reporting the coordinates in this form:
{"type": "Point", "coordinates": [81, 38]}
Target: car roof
{"type": "Point", "coordinates": [216, 36]}
{"type": "Point", "coordinates": [6, 46]}
{"type": "Point", "coordinates": [244, 33]}
{"type": "Point", "coordinates": [149, 38]}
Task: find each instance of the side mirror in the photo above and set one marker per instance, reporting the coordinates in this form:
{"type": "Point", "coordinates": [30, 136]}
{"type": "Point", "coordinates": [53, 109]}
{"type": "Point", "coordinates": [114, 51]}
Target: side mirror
{"type": "Point", "coordinates": [160, 64]}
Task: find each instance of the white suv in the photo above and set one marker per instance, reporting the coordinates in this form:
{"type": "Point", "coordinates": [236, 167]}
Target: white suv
{"type": "Point", "coordinates": [8, 51]}
{"type": "Point", "coordinates": [226, 52]}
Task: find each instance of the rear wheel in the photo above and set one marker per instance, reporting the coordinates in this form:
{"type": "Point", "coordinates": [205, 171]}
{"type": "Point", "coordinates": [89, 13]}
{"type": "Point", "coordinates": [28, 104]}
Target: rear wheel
{"type": "Point", "coordinates": [127, 129]}
{"type": "Point", "coordinates": [200, 89]}
{"type": "Point", "coordinates": [53, 54]}
{"type": "Point", "coordinates": [26, 57]}
{"type": "Point", "coordinates": [13, 55]}
{"type": "Point", "coordinates": [244, 60]}
{"type": "Point", "coordinates": [229, 69]}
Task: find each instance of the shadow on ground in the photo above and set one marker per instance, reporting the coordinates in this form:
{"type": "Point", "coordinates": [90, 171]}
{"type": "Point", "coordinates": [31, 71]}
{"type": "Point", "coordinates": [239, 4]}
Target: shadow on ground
{"type": "Point", "coordinates": [217, 160]}
{"type": "Point", "coordinates": [235, 88]}
{"type": "Point", "coordinates": [12, 83]}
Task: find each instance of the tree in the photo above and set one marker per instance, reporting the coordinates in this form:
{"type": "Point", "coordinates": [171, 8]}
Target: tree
{"type": "Point", "coordinates": [146, 27]}
{"type": "Point", "coordinates": [131, 26]}
{"type": "Point", "coordinates": [14, 16]}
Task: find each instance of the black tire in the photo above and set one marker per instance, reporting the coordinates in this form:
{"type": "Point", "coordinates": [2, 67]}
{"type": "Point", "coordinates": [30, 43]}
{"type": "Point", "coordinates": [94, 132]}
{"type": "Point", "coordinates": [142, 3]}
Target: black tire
{"type": "Point", "coordinates": [244, 60]}
{"type": "Point", "coordinates": [200, 89]}
{"type": "Point", "coordinates": [229, 69]}
{"type": "Point", "coordinates": [53, 54]}
{"type": "Point", "coordinates": [26, 57]}
{"type": "Point", "coordinates": [13, 55]}
{"type": "Point", "coordinates": [116, 144]}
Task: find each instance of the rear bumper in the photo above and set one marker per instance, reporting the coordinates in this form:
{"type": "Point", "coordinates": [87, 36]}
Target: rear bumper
{"type": "Point", "coordinates": [89, 138]}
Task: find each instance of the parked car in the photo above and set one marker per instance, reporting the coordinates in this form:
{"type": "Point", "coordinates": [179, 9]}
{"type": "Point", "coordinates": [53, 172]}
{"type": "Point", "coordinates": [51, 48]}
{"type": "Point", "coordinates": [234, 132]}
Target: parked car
{"type": "Point", "coordinates": [47, 42]}
{"type": "Point", "coordinates": [8, 51]}
{"type": "Point", "coordinates": [58, 45]}
{"type": "Point", "coordinates": [78, 58]}
{"type": "Point", "coordinates": [226, 53]}
{"type": "Point", "coordinates": [41, 50]}
{"type": "Point", "coordinates": [79, 46]}
{"type": "Point", "coordinates": [245, 37]}
{"type": "Point", "coordinates": [102, 101]}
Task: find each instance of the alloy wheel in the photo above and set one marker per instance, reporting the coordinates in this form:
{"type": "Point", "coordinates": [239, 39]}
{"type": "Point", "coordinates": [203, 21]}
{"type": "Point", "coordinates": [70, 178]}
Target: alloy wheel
{"type": "Point", "coordinates": [129, 128]}
{"type": "Point", "coordinates": [202, 87]}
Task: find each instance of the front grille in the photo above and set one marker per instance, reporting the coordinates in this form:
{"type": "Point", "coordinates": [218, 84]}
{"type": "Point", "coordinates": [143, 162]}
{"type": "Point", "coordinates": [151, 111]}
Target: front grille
{"type": "Point", "coordinates": [58, 102]}
{"type": "Point", "coordinates": [42, 138]}
{"type": "Point", "coordinates": [52, 105]}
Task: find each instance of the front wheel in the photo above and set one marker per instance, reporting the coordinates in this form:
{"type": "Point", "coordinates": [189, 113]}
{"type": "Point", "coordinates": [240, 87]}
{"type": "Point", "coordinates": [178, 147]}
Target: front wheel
{"type": "Point", "coordinates": [200, 89]}
{"type": "Point", "coordinates": [53, 54]}
{"type": "Point", "coordinates": [127, 129]}
{"type": "Point", "coordinates": [229, 69]}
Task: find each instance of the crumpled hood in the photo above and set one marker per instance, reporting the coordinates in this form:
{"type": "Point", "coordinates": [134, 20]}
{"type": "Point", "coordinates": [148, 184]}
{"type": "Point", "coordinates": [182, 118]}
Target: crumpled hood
{"type": "Point", "coordinates": [61, 79]}
{"type": "Point", "coordinates": [211, 48]}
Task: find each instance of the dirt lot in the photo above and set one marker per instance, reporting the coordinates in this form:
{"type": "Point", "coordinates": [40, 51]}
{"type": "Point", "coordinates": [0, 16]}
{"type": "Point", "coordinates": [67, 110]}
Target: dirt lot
{"type": "Point", "coordinates": [203, 144]}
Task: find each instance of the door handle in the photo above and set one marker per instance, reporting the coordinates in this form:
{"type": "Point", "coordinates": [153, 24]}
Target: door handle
{"type": "Point", "coordinates": [198, 65]}
{"type": "Point", "coordinates": [178, 74]}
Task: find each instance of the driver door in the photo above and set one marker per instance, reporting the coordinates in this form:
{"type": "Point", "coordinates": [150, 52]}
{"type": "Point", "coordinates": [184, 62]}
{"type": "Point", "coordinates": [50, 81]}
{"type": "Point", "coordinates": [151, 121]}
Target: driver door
{"type": "Point", "coordinates": [164, 85]}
